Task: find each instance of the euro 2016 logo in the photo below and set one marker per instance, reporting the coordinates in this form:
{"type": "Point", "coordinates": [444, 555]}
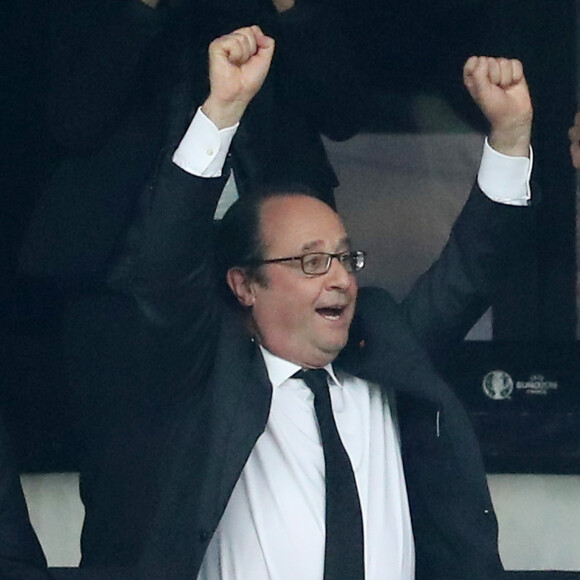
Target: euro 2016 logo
{"type": "Point", "coordinates": [498, 385]}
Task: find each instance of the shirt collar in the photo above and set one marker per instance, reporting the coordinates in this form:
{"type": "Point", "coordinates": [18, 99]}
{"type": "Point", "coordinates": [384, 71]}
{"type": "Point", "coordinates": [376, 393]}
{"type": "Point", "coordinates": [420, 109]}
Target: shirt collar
{"type": "Point", "coordinates": [280, 370]}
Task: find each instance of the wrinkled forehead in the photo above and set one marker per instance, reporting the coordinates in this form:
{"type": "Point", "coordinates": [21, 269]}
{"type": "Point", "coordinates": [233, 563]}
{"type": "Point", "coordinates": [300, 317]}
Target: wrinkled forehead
{"type": "Point", "coordinates": [298, 223]}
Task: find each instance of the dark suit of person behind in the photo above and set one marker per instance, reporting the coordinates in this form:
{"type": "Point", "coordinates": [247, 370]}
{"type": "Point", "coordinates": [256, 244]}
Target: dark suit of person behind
{"type": "Point", "coordinates": [195, 420]}
{"type": "Point", "coordinates": [125, 80]}
{"type": "Point", "coordinates": [21, 557]}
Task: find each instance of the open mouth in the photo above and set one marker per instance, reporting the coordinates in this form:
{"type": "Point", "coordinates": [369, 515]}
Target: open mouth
{"type": "Point", "coordinates": [331, 312]}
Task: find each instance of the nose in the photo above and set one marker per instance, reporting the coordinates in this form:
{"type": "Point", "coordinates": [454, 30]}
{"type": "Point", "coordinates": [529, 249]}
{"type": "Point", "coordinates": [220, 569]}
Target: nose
{"type": "Point", "coordinates": [337, 276]}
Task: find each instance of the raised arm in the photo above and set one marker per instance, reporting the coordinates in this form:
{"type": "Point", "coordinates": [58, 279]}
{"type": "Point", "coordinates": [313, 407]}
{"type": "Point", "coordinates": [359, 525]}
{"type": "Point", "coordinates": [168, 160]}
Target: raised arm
{"type": "Point", "coordinates": [449, 298]}
{"type": "Point", "coordinates": [168, 265]}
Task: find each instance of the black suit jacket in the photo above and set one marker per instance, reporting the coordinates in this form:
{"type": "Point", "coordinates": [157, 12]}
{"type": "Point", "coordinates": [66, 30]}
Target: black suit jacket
{"type": "Point", "coordinates": [215, 403]}
{"type": "Point", "coordinates": [160, 367]}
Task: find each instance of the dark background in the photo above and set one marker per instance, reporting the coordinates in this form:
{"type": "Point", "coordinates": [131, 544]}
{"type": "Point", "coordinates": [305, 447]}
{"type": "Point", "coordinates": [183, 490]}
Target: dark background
{"type": "Point", "coordinates": [404, 48]}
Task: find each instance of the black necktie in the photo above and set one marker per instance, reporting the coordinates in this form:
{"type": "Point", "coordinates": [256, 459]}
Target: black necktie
{"type": "Point", "coordinates": [344, 551]}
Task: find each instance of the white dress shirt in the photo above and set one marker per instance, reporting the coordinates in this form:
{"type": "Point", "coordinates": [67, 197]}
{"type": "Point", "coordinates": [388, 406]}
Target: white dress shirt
{"type": "Point", "coordinates": [273, 527]}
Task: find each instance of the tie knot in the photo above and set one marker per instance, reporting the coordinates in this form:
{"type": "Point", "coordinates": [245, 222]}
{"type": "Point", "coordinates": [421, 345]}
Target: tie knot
{"type": "Point", "coordinates": [315, 379]}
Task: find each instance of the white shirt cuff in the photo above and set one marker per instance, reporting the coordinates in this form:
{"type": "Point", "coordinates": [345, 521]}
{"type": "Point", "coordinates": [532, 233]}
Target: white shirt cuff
{"type": "Point", "coordinates": [204, 147]}
{"type": "Point", "coordinates": [505, 179]}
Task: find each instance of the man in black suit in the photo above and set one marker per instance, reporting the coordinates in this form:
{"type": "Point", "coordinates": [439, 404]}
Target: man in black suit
{"type": "Point", "coordinates": [189, 441]}
{"type": "Point", "coordinates": [241, 477]}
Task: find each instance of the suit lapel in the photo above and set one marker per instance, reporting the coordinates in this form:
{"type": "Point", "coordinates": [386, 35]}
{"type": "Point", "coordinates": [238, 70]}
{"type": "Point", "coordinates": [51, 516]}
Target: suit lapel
{"type": "Point", "coordinates": [208, 450]}
{"type": "Point", "coordinates": [241, 393]}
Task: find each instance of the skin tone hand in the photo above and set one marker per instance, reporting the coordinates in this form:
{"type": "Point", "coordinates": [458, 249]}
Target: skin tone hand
{"type": "Point", "coordinates": [574, 135]}
{"type": "Point", "coordinates": [499, 88]}
{"type": "Point", "coordinates": [283, 5]}
{"type": "Point", "coordinates": [238, 65]}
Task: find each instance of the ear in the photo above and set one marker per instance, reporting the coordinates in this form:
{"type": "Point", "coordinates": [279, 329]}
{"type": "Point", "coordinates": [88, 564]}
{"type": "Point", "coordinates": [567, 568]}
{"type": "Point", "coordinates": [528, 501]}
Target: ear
{"type": "Point", "coordinates": [241, 285]}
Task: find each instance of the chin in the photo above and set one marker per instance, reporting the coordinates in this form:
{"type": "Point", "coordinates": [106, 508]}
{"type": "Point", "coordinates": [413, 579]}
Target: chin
{"type": "Point", "coordinates": [331, 350]}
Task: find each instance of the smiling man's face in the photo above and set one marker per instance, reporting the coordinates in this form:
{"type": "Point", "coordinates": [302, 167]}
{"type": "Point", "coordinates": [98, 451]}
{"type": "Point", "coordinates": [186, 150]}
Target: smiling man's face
{"type": "Point", "coordinates": [302, 318]}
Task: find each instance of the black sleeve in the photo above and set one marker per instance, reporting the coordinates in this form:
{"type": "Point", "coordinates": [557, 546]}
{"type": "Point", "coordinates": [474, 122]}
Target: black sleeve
{"type": "Point", "coordinates": [450, 297]}
{"type": "Point", "coordinates": [168, 260]}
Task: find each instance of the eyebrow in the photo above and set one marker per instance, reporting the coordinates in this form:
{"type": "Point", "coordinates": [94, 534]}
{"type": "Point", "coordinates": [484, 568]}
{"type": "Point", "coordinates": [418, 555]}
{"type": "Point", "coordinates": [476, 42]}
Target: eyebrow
{"type": "Point", "coordinates": [314, 246]}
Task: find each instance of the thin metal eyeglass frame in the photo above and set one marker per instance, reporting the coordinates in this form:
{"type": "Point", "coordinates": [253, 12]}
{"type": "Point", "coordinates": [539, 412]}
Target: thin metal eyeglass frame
{"type": "Point", "coordinates": [341, 257]}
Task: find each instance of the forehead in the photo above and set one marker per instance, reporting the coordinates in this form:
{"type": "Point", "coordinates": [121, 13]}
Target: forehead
{"type": "Point", "coordinates": [300, 222]}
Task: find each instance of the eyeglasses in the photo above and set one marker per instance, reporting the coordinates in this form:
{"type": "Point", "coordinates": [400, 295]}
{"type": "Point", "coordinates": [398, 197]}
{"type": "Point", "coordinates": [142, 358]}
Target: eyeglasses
{"type": "Point", "coordinates": [318, 263]}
